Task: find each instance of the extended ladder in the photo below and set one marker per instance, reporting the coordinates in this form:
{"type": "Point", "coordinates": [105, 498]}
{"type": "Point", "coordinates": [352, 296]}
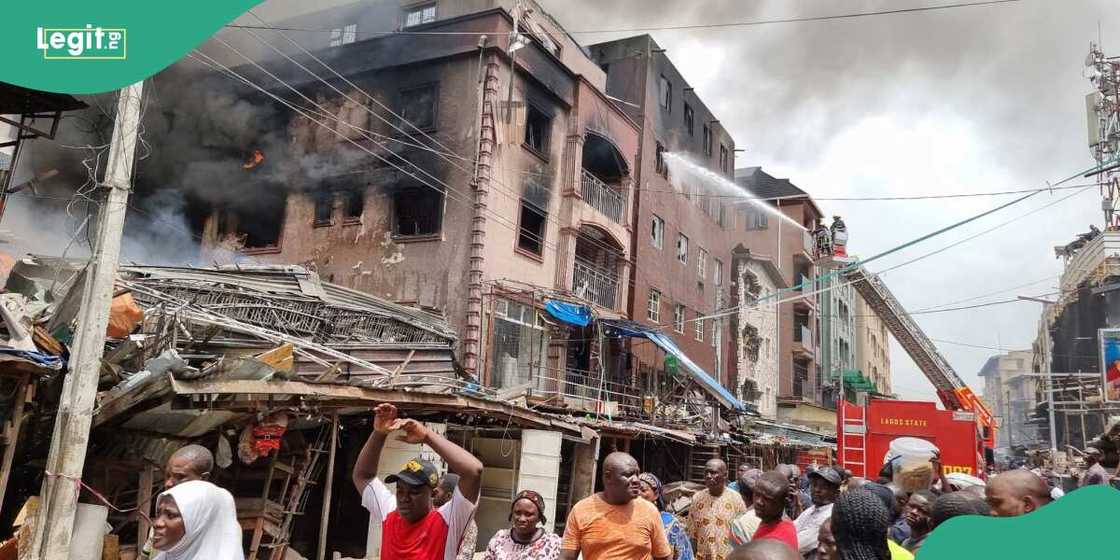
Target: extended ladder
{"type": "Point", "coordinates": [953, 392]}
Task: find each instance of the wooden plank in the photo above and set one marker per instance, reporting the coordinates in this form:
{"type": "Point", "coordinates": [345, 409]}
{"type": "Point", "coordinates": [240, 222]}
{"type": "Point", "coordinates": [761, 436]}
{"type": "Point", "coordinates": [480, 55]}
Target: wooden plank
{"type": "Point", "coordinates": [11, 432]}
{"type": "Point", "coordinates": [143, 499]}
{"type": "Point", "coordinates": [281, 358]}
{"type": "Point", "coordinates": [326, 513]}
{"type": "Point", "coordinates": [339, 395]}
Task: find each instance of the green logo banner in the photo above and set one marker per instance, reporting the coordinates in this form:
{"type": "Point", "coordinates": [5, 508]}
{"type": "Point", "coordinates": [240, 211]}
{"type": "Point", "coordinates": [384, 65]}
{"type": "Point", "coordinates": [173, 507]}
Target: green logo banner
{"type": "Point", "coordinates": [82, 47]}
{"type": "Point", "coordinates": [1079, 525]}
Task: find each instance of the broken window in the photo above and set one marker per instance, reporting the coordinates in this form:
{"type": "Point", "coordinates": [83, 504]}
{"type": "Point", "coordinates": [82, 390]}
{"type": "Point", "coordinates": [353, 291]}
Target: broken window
{"type": "Point", "coordinates": [420, 15]}
{"type": "Point", "coordinates": [653, 306]}
{"type": "Point", "coordinates": [257, 227]}
{"type": "Point", "coordinates": [657, 232]}
{"type": "Point", "coordinates": [353, 203]}
{"type": "Point", "coordinates": [678, 318]}
{"type": "Point", "coordinates": [689, 119]}
{"type": "Point", "coordinates": [417, 212]}
{"type": "Point", "coordinates": [538, 124]}
{"type": "Point", "coordinates": [708, 140]}
{"type": "Point", "coordinates": [659, 161]}
{"type": "Point", "coordinates": [418, 107]}
{"type": "Point", "coordinates": [324, 207]}
{"type": "Point", "coordinates": [682, 248]}
{"type": "Point", "coordinates": [702, 263]}
{"type": "Point", "coordinates": [530, 237]}
{"type": "Point", "coordinates": [520, 345]}
{"type": "Point", "coordinates": [665, 93]}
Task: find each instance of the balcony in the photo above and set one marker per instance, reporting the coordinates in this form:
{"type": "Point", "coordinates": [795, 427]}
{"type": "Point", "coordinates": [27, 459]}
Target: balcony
{"type": "Point", "coordinates": [608, 200]}
{"type": "Point", "coordinates": [595, 284]}
{"type": "Point", "coordinates": [802, 342]}
{"type": "Point", "coordinates": [809, 300]}
{"type": "Point", "coordinates": [808, 247]}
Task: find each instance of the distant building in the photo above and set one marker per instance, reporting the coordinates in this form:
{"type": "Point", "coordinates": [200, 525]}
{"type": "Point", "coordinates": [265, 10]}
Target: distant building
{"type": "Point", "coordinates": [1010, 392]}
{"type": "Point", "coordinates": [873, 349]}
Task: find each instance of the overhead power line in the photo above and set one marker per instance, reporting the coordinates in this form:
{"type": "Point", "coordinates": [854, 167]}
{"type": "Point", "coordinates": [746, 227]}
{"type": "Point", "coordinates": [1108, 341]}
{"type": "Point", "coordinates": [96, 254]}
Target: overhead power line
{"type": "Point", "coordinates": [725, 25]}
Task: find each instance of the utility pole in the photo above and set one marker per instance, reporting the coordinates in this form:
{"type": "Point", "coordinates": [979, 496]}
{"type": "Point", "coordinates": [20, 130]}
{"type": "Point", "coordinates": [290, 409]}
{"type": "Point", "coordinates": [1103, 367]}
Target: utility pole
{"type": "Point", "coordinates": [55, 523]}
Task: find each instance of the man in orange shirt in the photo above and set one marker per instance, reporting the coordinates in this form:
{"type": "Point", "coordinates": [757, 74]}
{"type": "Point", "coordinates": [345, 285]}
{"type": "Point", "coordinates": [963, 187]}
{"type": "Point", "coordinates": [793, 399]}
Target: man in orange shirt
{"type": "Point", "coordinates": [612, 524]}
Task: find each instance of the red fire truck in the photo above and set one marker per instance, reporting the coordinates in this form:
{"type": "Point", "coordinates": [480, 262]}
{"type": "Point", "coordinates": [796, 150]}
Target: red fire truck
{"type": "Point", "coordinates": [964, 431]}
{"type": "Point", "coordinates": [865, 433]}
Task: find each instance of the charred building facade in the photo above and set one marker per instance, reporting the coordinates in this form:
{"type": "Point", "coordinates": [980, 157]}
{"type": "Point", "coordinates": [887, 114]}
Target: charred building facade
{"type": "Point", "coordinates": [459, 172]}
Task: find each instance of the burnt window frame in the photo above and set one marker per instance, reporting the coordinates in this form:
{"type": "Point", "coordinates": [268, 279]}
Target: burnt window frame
{"type": "Point", "coordinates": [227, 215]}
{"type": "Point", "coordinates": [660, 167]}
{"type": "Point", "coordinates": [665, 93]}
{"type": "Point", "coordinates": [348, 197]}
{"type": "Point", "coordinates": [429, 191]}
{"type": "Point", "coordinates": [689, 119]}
{"type": "Point", "coordinates": [322, 198]}
{"type": "Point", "coordinates": [407, 124]}
{"type": "Point", "coordinates": [527, 206]}
{"type": "Point", "coordinates": [546, 138]}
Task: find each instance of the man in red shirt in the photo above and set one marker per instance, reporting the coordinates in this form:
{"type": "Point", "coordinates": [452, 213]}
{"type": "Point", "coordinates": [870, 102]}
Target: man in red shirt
{"type": "Point", "coordinates": [410, 528]}
{"type": "Point", "coordinates": [770, 494]}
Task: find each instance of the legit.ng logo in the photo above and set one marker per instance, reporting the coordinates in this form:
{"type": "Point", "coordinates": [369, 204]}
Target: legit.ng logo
{"type": "Point", "coordinates": [82, 43]}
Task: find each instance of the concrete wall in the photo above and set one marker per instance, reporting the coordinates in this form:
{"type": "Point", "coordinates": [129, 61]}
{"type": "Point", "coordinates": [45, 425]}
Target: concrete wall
{"type": "Point", "coordinates": [873, 351]}
{"type": "Point", "coordinates": [757, 360]}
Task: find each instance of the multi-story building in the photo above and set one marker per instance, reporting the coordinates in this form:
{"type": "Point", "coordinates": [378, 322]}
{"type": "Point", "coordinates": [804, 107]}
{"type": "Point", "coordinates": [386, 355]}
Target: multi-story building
{"type": "Point", "coordinates": [782, 234]}
{"type": "Point", "coordinates": [756, 288]}
{"type": "Point", "coordinates": [456, 176]}
{"type": "Point", "coordinates": [684, 237]}
{"type": "Point", "coordinates": [1009, 391]}
{"type": "Point", "coordinates": [873, 349]}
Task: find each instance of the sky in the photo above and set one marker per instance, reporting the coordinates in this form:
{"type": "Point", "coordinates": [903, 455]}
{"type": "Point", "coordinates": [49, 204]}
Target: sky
{"type": "Point", "coordinates": [964, 100]}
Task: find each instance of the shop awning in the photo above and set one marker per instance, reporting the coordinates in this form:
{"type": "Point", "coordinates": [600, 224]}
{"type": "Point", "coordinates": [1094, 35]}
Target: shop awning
{"type": "Point", "coordinates": [665, 342]}
{"type": "Point", "coordinates": [855, 380]}
{"type": "Point", "coordinates": [571, 313]}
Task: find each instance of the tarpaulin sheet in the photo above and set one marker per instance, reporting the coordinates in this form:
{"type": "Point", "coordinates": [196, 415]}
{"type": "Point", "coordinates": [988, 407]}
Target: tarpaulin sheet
{"type": "Point", "coordinates": [712, 386]}
{"type": "Point", "coordinates": [571, 313]}
{"type": "Point", "coordinates": [38, 358]}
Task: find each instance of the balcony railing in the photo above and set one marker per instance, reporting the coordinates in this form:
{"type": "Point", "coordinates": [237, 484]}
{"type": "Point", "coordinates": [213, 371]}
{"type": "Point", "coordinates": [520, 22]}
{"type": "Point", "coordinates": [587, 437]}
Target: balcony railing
{"type": "Point", "coordinates": [603, 197]}
{"type": "Point", "coordinates": [804, 335]}
{"type": "Point", "coordinates": [595, 284]}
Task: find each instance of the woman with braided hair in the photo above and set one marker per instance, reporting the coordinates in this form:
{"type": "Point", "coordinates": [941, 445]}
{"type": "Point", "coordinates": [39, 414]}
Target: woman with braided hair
{"type": "Point", "coordinates": [859, 525]}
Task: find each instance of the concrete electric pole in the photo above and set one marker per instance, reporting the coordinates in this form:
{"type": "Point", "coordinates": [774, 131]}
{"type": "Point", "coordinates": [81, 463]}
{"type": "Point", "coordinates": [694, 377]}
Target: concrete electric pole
{"type": "Point", "coordinates": [55, 522]}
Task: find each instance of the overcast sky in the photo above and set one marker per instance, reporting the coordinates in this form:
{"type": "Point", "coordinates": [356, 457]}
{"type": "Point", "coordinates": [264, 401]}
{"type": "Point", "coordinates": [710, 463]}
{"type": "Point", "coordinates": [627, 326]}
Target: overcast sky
{"type": "Point", "coordinates": [963, 100]}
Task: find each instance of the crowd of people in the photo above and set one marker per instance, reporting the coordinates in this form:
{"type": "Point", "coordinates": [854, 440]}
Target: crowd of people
{"type": "Point", "coordinates": [781, 514]}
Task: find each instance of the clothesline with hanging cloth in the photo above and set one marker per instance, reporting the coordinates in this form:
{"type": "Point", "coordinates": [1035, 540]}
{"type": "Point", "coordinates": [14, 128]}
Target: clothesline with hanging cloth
{"type": "Point", "coordinates": [665, 342]}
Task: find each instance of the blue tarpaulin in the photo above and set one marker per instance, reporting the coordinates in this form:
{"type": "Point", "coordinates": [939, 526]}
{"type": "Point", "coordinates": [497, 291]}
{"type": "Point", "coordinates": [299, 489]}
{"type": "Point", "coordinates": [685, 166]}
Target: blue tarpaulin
{"type": "Point", "coordinates": [665, 342]}
{"type": "Point", "coordinates": [571, 313]}
{"type": "Point", "coordinates": [38, 358]}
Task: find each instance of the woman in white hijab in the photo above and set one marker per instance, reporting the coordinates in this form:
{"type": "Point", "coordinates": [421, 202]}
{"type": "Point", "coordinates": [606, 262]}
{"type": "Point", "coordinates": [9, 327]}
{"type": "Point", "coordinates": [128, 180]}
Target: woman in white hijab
{"type": "Point", "coordinates": [196, 521]}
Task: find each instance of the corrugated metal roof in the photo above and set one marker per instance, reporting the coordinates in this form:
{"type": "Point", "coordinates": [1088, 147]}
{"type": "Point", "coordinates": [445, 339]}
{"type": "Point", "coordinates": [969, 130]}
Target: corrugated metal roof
{"type": "Point", "coordinates": [297, 284]}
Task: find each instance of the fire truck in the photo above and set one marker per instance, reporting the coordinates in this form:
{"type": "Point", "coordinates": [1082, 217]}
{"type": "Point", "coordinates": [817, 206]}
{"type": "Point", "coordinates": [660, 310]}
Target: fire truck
{"type": "Point", "coordinates": [964, 431]}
